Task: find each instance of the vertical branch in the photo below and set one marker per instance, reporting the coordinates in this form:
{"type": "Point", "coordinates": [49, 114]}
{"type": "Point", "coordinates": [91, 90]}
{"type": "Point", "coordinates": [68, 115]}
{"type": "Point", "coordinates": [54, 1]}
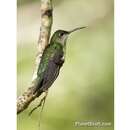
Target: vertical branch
{"type": "Point", "coordinates": [27, 97]}
{"type": "Point", "coordinates": [45, 29]}
{"type": "Point", "coordinates": [46, 22]}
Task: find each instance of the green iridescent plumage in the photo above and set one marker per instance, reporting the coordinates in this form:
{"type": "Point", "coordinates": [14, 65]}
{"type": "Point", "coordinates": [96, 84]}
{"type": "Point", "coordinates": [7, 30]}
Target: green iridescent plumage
{"type": "Point", "coordinates": [52, 60]}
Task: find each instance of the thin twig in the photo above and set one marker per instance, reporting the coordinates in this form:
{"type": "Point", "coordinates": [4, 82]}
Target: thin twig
{"type": "Point", "coordinates": [42, 101]}
{"type": "Point", "coordinates": [43, 104]}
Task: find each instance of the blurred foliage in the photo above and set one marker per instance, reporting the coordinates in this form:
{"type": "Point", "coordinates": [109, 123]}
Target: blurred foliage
{"type": "Point", "coordinates": [84, 90]}
{"type": "Point", "coordinates": [23, 2]}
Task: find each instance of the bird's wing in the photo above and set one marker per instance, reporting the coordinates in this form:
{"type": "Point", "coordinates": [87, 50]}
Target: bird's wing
{"type": "Point", "coordinates": [52, 71]}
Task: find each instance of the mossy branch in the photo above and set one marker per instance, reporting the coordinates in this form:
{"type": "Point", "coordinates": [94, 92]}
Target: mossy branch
{"type": "Point", "coordinates": [28, 96]}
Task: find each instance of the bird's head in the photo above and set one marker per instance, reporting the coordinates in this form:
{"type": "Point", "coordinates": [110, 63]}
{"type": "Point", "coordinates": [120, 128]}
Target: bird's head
{"type": "Point", "coordinates": [60, 36]}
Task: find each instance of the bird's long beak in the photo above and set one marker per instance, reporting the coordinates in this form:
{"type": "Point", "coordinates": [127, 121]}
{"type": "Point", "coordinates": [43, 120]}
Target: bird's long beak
{"type": "Point", "coordinates": [76, 29]}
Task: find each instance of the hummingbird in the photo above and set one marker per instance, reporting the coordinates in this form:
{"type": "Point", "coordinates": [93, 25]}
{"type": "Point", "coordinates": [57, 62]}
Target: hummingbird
{"type": "Point", "coordinates": [52, 60]}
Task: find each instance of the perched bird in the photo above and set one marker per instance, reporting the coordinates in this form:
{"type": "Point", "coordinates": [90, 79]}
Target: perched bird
{"type": "Point", "coordinates": [52, 60]}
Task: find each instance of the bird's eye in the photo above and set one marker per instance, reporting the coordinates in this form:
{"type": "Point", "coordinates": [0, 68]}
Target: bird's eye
{"type": "Point", "coordinates": [61, 34]}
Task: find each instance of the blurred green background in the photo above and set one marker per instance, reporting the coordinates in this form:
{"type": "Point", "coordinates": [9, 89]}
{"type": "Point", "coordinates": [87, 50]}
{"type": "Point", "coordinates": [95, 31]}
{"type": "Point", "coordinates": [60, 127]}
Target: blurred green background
{"type": "Point", "coordinates": [84, 90]}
